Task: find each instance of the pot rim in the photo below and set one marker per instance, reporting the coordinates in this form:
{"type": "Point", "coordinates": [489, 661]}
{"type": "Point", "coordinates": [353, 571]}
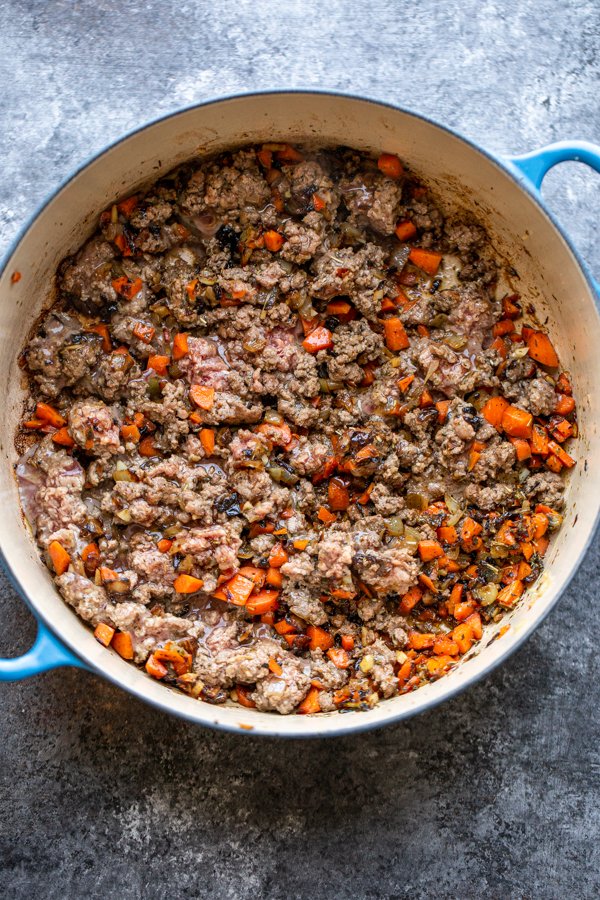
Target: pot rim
{"type": "Point", "coordinates": [354, 723]}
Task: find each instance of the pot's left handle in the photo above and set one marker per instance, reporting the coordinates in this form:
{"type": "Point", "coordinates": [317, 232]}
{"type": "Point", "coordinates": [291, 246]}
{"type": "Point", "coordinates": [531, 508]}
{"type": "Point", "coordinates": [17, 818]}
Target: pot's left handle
{"type": "Point", "coordinates": [47, 653]}
{"type": "Point", "coordinates": [536, 165]}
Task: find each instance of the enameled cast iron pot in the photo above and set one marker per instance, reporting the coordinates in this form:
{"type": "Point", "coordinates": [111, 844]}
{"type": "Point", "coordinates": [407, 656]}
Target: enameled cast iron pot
{"type": "Point", "coordinates": [504, 193]}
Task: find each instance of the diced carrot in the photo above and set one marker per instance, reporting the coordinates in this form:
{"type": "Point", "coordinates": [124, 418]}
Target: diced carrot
{"type": "Point", "coordinates": [428, 582]}
{"type": "Point", "coordinates": [429, 550]}
{"type": "Point", "coordinates": [123, 644]}
{"type": "Point", "coordinates": [318, 203]}
{"type": "Point", "coordinates": [405, 383]}
{"type": "Point", "coordinates": [104, 633]}
{"type": "Point", "coordinates": [404, 672]}
{"type": "Point", "coordinates": [505, 326]}
{"type": "Point", "coordinates": [337, 495]}
{"type": "Point", "coordinates": [510, 307]}
{"type": "Point", "coordinates": [243, 696]}
{"type": "Point", "coordinates": [500, 347]}
{"type": "Point", "coordinates": [326, 516]}
{"type": "Point", "coordinates": [187, 584]}
{"type": "Point", "coordinates": [63, 438]}
{"type": "Point", "coordinates": [425, 400]}
{"type": "Point", "coordinates": [147, 447]}
{"type": "Point", "coordinates": [347, 642]}
{"type": "Point", "coordinates": [49, 415]}
{"type": "Point", "coordinates": [522, 448]}
{"type": "Point", "coordinates": [493, 411]}
{"type": "Point", "coordinates": [273, 241]}
{"type": "Point", "coordinates": [202, 396]}
{"type": "Point", "coordinates": [164, 545]}
{"type": "Point", "coordinates": [447, 534]}
{"type": "Point", "coordinates": [475, 454]}
{"type": "Point", "coordinates": [554, 464]}
{"type": "Point", "coordinates": [539, 441]}
{"type": "Point", "coordinates": [442, 407]}
{"type": "Point", "coordinates": [155, 668]}
{"type": "Point", "coordinates": [541, 349]}
{"type": "Point", "coordinates": [387, 305]}
{"type": "Point", "coordinates": [509, 595]}
{"type": "Point", "coordinates": [455, 597]}
{"type": "Point", "coordinates": [517, 422]}
{"type": "Point", "coordinates": [564, 404]}
{"type": "Point", "coordinates": [262, 602]}
{"type": "Point", "coordinates": [469, 529]}
{"type": "Point", "coordinates": [158, 364]}
{"type": "Point", "coordinates": [319, 638]}
{"type": "Point", "coordinates": [126, 288]}
{"type": "Point", "coordinates": [274, 667]}
{"type": "Point", "coordinates": [207, 439]}
{"type": "Point", "coordinates": [541, 545]}
{"type": "Point", "coordinates": [445, 646]}
{"type": "Point", "coordinates": [124, 245]}
{"type": "Point", "coordinates": [311, 704]}
{"type": "Point", "coordinates": [236, 590]}
{"type": "Point", "coordinates": [427, 260]}
{"type": "Point", "coordinates": [390, 165]}
{"type": "Point", "coordinates": [15, 277]}
{"type": "Point", "coordinates": [561, 429]}
{"type": "Point", "coordinates": [320, 338]}
{"type": "Point", "coordinates": [126, 207]}
{"type": "Point", "coordinates": [410, 600]}
{"type": "Point", "coordinates": [104, 333]}
{"type": "Point", "coordinates": [395, 335]}
{"type": "Point", "coordinates": [405, 231]}
{"type": "Point", "coordinates": [278, 556]}
{"type": "Point", "coordinates": [463, 610]}
{"type": "Point", "coordinates": [339, 657]}
{"type": "Point", "coordinates": [474, 622]}
{"type": "Point", "coordinates": [255, 574]}
{"type": "Point", "coordinates": [563, 384]}
{"type": "Point", "coordinates": [284, 627]}
{"type": "Point", "coordinates": [341, 309]}
{"type": "Point", "coordinates": [289, 154]}
{"type": "Point", "coordinates": [180, 345]}
{"type": "Point", "coordinates": [265, 158]}
{"type": "Point", "coordinates": [562, 455]}
{"type": "Point", "coordinates": [130, 433]}
{"type": "Point", "coordinates": [418, 641]}
{"type": "Point", "coordinates": [463, 635]}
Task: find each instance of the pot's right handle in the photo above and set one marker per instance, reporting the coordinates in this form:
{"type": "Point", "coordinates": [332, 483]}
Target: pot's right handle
{"type": "Point", "coordinates": [535, 165]}
{"type": "Point", "coordinates": [47, 653]}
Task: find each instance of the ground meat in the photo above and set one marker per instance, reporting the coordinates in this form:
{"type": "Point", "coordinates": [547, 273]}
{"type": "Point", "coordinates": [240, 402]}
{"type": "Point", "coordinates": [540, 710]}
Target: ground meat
{"type": "Point", "coordinates": [282, 693]}
{"type": "Point", "coordinates": [265, 442]}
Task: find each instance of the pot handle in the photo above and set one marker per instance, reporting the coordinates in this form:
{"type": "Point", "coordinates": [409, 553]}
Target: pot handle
{"type": "Point", "coordinates": [47, 653]}
{"type": "Point", "coordinates": [535, 165]}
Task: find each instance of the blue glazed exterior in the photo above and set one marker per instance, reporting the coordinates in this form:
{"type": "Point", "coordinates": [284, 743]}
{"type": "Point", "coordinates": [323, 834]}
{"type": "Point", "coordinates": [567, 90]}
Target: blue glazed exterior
{"type": "Point", "coordinates": [47, 653]}
{"type": "Point", "coordinates": [528, 170]}
{"type": "Point", "coordinates": [536, 165]}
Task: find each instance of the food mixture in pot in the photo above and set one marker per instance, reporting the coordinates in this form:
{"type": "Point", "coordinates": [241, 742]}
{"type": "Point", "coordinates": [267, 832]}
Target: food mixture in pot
{"type": "Point", "coordinates": [292, 436]}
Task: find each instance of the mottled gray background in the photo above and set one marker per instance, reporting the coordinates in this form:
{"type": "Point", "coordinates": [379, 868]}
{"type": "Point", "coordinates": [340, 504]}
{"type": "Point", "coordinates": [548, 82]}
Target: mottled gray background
{"type": "Point", "coordinates": [496, 793]}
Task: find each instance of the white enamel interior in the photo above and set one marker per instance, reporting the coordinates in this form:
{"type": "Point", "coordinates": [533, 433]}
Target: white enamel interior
{"type": "Point", "coordinates": [549, 275]}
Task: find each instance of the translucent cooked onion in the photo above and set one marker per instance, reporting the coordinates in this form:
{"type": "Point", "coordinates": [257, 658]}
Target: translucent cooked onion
{"type": "Point", "coordinates": [417, 500]}
{"type": "Point", "coordinates": [411, 538]}
{"type": "Point", "coordinates": [123, 475]}
{"type": "Point", "coordinates": [254, 346]}
{"type": "Point", "coordinates": [395, 526]}
{"type": "Point", "coordinates": [272, 417]}
{"type": "Point", "coordinates": [456, 341]}
{"type": "Point", "coordinates": [330, 387]}
{"type": "Point", "coordinates": [282, 476]}
{"type": "Point", "coordinates": [486, 593]}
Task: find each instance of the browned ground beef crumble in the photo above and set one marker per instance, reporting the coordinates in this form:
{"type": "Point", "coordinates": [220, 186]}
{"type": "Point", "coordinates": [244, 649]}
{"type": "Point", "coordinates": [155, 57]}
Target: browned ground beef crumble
{"type": "Point", "coordinates": [380, 516]}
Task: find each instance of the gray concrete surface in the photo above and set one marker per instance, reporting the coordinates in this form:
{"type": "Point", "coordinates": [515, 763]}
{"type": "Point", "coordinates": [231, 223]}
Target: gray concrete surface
{"type": "Point", "coordinates": [493, 795]}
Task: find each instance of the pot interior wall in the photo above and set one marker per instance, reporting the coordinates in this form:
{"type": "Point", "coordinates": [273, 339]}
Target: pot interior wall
{"type": "Point", "coordinates": [548, 275]}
